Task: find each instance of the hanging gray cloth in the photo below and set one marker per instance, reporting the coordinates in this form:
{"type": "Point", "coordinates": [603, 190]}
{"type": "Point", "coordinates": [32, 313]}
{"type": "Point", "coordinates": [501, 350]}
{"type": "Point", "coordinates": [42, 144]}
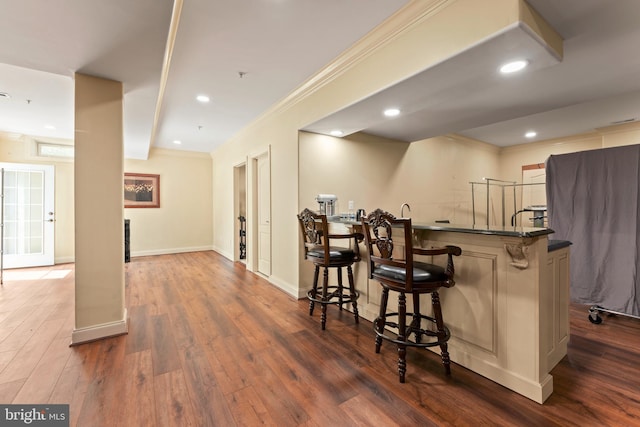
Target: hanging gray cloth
{"type": "Point", "coordinates": [593, 201]}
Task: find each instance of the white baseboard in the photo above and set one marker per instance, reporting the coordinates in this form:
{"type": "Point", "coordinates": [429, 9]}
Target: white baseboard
{"type": "Point", "coordinates": [64, 260]}
{"type": "Point", "coordinates": [285, 286]}
{"type": "Point", "coordinates": [224, 253]}
{"type": "Point", "coordinates": [167, 251]}
{"type": "Point", "coordinates": [97, 332]}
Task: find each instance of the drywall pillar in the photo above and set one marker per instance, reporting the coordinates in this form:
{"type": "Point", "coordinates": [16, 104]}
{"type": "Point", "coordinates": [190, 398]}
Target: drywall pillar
{"type": "Point", "coordinates": [99, 210]}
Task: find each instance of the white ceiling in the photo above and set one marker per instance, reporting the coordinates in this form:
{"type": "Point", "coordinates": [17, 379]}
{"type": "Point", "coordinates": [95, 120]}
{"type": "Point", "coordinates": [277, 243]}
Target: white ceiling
{"type": "Point", "coordinates": [278, 44]}
{"type": "Point", "coordinates": [595, 84]}
{"type": "Point", "coordinates": [281, 43]}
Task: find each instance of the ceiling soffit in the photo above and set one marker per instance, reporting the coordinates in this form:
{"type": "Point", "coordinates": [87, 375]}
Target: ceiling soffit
{"type": "Point", "coordinates": [451, 95]}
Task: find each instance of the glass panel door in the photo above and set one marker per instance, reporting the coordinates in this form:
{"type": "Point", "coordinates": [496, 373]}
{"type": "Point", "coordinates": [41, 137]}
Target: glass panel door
{"type": "Point", "coordinates": [28, 217]}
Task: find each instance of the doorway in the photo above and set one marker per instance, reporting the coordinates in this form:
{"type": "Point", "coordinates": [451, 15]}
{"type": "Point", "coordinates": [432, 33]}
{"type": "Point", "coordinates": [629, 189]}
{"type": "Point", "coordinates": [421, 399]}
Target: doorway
{"type": "Point", "coordinates": [534, 192]}
{"type": "Point", "coordinates": [240, 212]}
{"type": "Point", "coordinates": [27, 215]}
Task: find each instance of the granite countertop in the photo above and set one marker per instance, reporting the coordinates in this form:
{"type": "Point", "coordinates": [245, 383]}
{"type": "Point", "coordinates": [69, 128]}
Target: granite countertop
{"type": "Point", "coordinates": [478, 229]}
{"type": "Point", "coordinates": [495, 230]}
{"type": "Point", "coordinates": [492, 230]}
{"type": "Point", "coordinates": [558, 244]}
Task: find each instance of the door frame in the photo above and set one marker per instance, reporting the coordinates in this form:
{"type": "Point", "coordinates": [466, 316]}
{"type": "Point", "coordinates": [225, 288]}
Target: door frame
{"type": "Point", "coordinates": [49, 174]}
{"type": "Point", "coordinates": [252, 209]}
{"type": "Point", "coordinates": [239, 184]}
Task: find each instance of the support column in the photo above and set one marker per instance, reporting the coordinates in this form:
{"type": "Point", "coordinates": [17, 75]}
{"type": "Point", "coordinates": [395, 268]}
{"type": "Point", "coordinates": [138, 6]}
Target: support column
{"type": "Point", "coordinates": [99, 210]}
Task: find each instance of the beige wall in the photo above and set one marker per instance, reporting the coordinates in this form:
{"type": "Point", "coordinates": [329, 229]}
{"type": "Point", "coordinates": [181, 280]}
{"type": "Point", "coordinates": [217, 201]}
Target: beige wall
{"type": "Point", "coordinates": [183, 221]}
{"type": "Point", "coordinates": [625, 134]}
{"type": "Point", "coordinates": [360, 168]}
{"type": "Point", "coordinates": [431, 175]}
{"type": "Point", "coordinates": [513, 158]}
{"type": "Point", "coordinates": [182, 202]}
{"type": "Point", "coordinates": [21, 149]}
{"type": "Point", "coordinates": [435, 174]}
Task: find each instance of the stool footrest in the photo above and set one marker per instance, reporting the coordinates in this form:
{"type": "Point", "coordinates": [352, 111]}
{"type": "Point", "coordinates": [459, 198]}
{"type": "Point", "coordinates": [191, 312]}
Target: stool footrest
{"type": "Point", "coordinates": [334, 292]}
{"type": "Point", "coordinates": [411, 329]}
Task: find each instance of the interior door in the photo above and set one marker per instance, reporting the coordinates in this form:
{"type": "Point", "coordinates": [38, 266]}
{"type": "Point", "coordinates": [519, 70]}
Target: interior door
{"type": "Point", "coordinates": [264, 213]}
{"type": "Point", "coordinates": [28, 215]}
{"type": "Point", "coordinates": [534, 193]}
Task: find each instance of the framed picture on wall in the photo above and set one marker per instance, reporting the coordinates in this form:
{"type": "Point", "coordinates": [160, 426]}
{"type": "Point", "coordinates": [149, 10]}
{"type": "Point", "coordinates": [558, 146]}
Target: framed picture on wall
{"type": "Point", "coordinates": [141, 190]}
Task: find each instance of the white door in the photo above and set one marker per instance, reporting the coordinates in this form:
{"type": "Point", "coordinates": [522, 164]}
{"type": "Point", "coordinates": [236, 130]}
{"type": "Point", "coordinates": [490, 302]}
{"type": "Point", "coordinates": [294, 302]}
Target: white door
{"type": "Point", "coordinates": [264, 214]}
{"type": "Point", "coordinates": [534, 193]}
{"type": "Point", "coordinates": [28, 215]}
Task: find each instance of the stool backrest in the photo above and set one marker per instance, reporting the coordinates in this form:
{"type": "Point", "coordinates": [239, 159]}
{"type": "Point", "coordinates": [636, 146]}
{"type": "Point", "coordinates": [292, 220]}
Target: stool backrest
{"type": "Point", "coordinates": [315, 230]}
{"type": "Point", "coordinates": [378, 228]}
{"type": "Point", "coordinates": [384, 248]}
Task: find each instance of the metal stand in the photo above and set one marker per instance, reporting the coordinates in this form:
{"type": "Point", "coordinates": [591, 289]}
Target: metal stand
{"type": "Point", "coordinates": [491, 182]}
{"type": "Point", "coordinates": [488, 183]}
{"type": "Point", "coordinates": [243, 237]}
{"type": "Point", "coordinates": [596, 310]}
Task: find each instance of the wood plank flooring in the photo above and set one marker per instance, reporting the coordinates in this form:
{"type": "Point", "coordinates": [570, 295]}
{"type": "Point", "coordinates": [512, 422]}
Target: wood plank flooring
{"type": "Point", "coordinates": [211, 344]}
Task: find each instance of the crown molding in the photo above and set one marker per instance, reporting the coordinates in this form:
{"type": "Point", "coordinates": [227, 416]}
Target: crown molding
{"type": "Point", "coordinates": [619, 128]}
{"type": "Point", "coordinates": [397, 24]}
{"type": "Point", "coordinates": [471, 142]}
{"type": "Point", "coordinates": [155, 151]}
{"type": "Point", "coordinates": [581, 137]}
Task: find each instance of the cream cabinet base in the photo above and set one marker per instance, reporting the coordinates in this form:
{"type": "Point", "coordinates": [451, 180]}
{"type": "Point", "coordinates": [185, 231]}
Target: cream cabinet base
{"type": "Point", "coordinates": [509, 311]}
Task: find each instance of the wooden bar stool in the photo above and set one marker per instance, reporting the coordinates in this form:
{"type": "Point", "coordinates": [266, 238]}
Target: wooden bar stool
{"type": "Point", "coordinates": [317, 249]}
{"type": "Point", "coordinates": [402, 274]}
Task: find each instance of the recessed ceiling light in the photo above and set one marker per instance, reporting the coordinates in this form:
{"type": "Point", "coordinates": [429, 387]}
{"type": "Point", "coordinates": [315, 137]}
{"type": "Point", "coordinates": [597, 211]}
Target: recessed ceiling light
{"type": "Point", "coordinates": [337, 132]}
{"type": "Point", "coordinates": [50, 127]}
{"type": "Point", "coordinates": [4, 95]}
{"type": "Point", "coordinates": [177, 142]}
{"type": "Point", "coordinates": [391, 112]}
{"type": "Point", "coordinates": [202, 98]}
{"type": "Point", "coordinates": [530, 134]}
{"type": "Point", "coordinates": [512, 67]}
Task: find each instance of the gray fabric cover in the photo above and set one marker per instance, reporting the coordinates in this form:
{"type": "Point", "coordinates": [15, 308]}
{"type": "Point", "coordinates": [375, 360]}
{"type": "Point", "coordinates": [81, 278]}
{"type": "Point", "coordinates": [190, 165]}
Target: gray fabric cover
{"type": "Point", "coordinates": [592, 201]}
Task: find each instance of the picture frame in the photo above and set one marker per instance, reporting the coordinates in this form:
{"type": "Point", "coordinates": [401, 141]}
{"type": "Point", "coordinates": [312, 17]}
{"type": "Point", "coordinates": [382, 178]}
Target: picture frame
{"type": "Point", "coordinates": [141, 190]}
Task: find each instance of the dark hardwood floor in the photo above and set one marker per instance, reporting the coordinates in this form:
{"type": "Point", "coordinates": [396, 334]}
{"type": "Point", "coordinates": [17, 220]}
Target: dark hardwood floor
{"type": "Point", "coordinates": [211, 344]}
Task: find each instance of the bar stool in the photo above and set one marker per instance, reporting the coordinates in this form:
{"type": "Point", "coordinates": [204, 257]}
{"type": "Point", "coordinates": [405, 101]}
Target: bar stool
{"type": "Point", "coordinates": [317, 249]}
{"type": "Point", "coordinates": [407, 276]}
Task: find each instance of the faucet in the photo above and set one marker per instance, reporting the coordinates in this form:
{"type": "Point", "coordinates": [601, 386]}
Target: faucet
{"type": "Point", "coordinates": [402, 209]}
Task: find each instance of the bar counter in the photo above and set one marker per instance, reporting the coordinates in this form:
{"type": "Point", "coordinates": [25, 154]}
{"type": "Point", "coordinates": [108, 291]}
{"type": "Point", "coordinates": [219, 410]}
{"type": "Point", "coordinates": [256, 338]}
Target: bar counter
{"type": "Point", "coordinates": [509, 310]}
{"type": "Point", "coordinates": [492, 230]}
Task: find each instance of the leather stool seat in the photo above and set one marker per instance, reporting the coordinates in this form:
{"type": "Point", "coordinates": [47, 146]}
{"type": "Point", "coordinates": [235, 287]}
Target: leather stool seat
{"type": "Point", "coordinates": [422, 273]}
{"type": "Point", "coordinates": [335, 253]}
